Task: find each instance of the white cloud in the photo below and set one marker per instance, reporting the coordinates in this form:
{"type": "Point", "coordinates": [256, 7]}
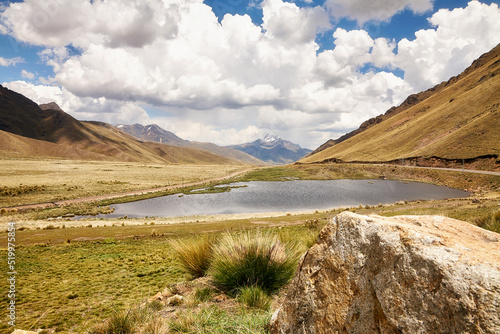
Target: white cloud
{"type": "Point", "coordinates": [100, 109]}
{"type": "Point", "coordinates": [10, 62]}
{"type": "Point", "coordinates": [290, 24]}
{"type": "Point", "coordinates": [27, 75]}
{"type": "Point", "coordinates": [59, 23]}
{"type": "Point", "coordinates": [233, 80]}
{"type": "Point", "coordinates": [461, 36]}
{"type": "Point", "coordinates": [378, 10]}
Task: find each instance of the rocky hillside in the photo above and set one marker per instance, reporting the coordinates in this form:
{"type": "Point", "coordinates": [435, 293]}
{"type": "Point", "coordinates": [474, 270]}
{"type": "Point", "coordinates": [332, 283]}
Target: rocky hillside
{"type": "Point", "coordinates": [273, 150]}
{"type": "Point", "coordinates": [407, 274]}
{"type": "Point", "coordinates": [458, 119]}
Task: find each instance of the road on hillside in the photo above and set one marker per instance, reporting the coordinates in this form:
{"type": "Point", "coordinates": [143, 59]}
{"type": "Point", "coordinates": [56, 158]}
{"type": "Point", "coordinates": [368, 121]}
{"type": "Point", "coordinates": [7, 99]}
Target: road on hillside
{"type": "Point", "coordinates": [129, 193]}
{"type": "Point", "coordinates": [450, 169]}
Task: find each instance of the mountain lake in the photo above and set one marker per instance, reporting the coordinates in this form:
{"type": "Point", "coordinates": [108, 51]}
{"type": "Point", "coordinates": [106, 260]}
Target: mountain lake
{"type": "Point", "coordinates": [286, 196]}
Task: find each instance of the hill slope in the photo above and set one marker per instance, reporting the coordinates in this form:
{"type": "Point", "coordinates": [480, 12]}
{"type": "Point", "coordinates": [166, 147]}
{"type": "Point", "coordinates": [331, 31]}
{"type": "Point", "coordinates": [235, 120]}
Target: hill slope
{"type": "Point", "coordinates": [273, 150]}
{"type": "Point", "coordinates": [47, 131]}
{"type": "Point", "coordinates": [458, 119]}
{"type": "Point", "coordinates": [154, 133]}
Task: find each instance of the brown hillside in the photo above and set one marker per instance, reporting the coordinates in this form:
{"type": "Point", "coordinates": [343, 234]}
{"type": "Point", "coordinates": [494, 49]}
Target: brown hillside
{"type": "Point", "coordinates": [29, 130]}
{"type": "Point", "coordinates": [457, 119]}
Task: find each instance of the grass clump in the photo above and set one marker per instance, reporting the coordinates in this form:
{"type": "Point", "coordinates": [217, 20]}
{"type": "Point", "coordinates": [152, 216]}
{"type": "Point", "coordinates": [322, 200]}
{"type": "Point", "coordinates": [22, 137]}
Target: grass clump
{"type": "Point", "coordinates": [203, 294]}
{"type": "Point", "coordinates": [195, 255]}
{"type": "Point", "coordinates": [119, 323]}
{"type": "Point", "coordinates": [253, 259]}
{"type": "Point", "coordinates": [489, 222]}
{"type": "Point", "coordinates": [253, 296]}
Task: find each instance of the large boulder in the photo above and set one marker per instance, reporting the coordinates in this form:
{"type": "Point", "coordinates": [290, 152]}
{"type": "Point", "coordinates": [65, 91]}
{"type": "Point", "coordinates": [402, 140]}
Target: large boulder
{"type": "Point", "coordinates": [407, 274]}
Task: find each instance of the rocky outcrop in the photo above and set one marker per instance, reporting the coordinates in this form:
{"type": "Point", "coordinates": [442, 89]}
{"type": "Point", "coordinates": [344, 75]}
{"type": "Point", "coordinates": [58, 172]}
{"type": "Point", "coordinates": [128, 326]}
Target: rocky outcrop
{"type": "Point", "coordinates": [407, 274]}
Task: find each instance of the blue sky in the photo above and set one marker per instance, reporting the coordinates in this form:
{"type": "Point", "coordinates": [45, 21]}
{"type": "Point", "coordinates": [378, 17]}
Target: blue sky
{"type": "Point", "coordinates": [231, 71]}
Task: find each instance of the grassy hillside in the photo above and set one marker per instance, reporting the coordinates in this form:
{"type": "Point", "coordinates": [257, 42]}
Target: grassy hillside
{"type": "Point", "coordinates": [28, 130]}
{"type": "Point", "coordinates": [458, 119]}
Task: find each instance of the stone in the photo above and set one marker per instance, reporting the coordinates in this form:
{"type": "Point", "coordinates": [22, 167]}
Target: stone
{"type": "Point", "coordinates": [175, 300]}
{"type": "Point", "coordinates": [407, 274]}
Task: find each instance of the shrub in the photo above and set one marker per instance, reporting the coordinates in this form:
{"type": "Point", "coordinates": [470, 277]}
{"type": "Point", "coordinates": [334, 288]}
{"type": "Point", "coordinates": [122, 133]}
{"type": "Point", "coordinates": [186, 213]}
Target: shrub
{"type": "Point", "coordinates": [194, 256]}
{"type": "Point", "coordinates": [254, 297]}
{"type": "Point", "coordinates": [253, 259]}
{"type": "Point", "coordinates": [119, 323]}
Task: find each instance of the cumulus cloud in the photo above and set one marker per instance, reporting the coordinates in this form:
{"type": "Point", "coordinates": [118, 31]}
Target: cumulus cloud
{"type": "Point", "coordinates": [10, 62]}
{"type": "Point", "coordinates": [27, 75]}
{"type": "Point", "coordinates": [378, 10]}
{"type": "Point", "coordinates": [460, 36]}
{"type": "Point", "coordinates": [226, 81]}
{"type": "Point", "coordinates": [59, 23]}
{"type": "Point", "coordinates": [100, 109]}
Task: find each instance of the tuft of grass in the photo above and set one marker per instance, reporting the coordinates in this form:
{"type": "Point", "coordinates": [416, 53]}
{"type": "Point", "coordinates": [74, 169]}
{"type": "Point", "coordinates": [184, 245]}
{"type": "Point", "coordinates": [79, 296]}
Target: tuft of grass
{"type": "Point", "coordinates": [253, 296]}
{"type": "Point", "coordinates": [253, 259]}
{"type": "Point", "coordinates": [119, 323]}
{"type": "Point", "coordinates": [203, 294]}
{"type": "Point", "coordinates": [215, 320]}
{"type": "Point", "coordinates": [195, 255]}
{"type": "Point", "coordinates": [489, 222]}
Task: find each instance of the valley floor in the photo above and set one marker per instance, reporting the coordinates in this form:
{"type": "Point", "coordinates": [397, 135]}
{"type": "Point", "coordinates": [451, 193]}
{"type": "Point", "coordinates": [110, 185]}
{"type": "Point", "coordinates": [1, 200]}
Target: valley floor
{"type": "Point", "coordinates": [74, 274]}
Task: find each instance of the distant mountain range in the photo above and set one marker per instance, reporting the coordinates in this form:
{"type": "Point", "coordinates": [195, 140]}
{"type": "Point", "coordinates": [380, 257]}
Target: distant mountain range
{"type": "Point", "coordinates": [273, 150]}
{"type": "Point", "coordinates": [155, 133]}
{"type": "Point", "coordinates": [30, 130]}
{"type": "Point", "coordinates": [455, 122]}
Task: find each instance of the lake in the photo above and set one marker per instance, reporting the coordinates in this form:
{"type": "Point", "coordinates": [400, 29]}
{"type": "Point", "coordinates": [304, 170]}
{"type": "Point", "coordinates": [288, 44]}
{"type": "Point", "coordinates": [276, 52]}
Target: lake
{"type": "Point", "coordinates": [287, 196]}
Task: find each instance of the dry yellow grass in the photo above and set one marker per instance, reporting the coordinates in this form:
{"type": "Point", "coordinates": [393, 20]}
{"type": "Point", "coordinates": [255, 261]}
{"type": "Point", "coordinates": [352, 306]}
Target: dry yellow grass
{"type": "Point", "coordinates": [68, 179]}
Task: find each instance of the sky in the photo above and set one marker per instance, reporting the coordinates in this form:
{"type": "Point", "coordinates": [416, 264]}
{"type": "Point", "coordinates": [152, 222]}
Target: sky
{"type": "Point", "coordinates": [231, 71]}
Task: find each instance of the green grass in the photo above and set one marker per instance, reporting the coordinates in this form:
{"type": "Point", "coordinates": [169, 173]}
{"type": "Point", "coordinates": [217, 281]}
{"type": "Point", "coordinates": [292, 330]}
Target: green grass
{"type": "Point", "coordinates": [253, 259]}
{"type": "Point", "coordinates": [214, 320]}
{"type": "Point", "coordinates": [253, 296]}
{"type": "Point", "coordinates": [272, 174]}
{"type": "Point", "coordinates": [194, 255]}
{"type": "Point", "coordinates": [490, 221]}
{"type": "Point", "coordinates": [102, 276]}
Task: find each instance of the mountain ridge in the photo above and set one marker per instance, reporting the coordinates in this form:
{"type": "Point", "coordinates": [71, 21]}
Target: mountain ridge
{"type": "Point", "coordinates": [456, 120]}
{"type": "Point", "coordinates": [155, 133]}
{"type": "Point", "coordinates": [28, 129]}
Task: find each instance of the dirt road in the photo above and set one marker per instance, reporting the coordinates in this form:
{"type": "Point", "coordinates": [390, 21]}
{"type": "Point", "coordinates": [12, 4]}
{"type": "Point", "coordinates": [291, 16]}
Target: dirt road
{"type": "Point", "coordinates": [125, 194]}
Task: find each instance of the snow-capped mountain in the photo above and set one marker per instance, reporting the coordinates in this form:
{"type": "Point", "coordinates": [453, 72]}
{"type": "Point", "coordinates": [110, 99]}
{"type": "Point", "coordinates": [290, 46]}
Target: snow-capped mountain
{"type": "Point", "coordinates": [273, 150]}
{"type": "Point", "coordinates": [272, 139]}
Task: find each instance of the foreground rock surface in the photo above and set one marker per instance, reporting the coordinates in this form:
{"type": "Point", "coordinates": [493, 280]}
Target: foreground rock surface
{"type": "Point", "coordinates": [407, 274]}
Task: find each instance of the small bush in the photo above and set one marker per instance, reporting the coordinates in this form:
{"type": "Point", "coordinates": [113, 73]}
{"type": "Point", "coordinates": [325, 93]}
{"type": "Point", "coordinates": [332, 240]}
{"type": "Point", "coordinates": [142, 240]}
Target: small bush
{"type": "Point", "coordinates": [254, 297]}
{"type": "Point", "coordinates": [194, 256]}
{"type": "Point", "coordinates": [253, 259]}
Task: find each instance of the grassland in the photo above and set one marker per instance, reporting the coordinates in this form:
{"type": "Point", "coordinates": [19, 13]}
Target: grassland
{"type": "Point", "coordinates": [72, 276]}
{"type": "Point", "coordinates": [45, 180]}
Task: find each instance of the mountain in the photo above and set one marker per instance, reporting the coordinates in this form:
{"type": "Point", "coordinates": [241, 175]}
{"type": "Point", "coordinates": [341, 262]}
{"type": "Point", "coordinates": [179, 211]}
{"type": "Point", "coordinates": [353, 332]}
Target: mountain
{"type": "Point", "coordinates": [273, 150]}
{"type": "Point", "coordinates": [154, 133]}
{"type": "Point", "coordinates": [27, 129]}
{"type": "Point", "coordinates": [455, 121]}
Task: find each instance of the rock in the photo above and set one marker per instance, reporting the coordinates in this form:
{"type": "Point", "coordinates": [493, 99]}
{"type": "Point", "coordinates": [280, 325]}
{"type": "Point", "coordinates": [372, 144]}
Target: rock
{"type": "Point", "coordinates": [407, 274]}
{"type": "Point", "coordinates": [175, 300]}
